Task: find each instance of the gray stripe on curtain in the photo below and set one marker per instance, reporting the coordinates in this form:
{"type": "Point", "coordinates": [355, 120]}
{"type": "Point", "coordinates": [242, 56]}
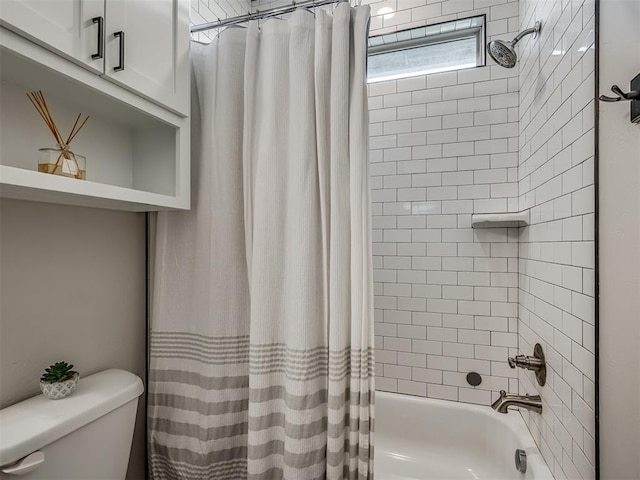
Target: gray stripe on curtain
{"type": "Point", "coordinates": [258, 452]}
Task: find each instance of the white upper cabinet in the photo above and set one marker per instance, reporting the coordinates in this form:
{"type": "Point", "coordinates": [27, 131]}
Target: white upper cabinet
{"type": "Point", "coordinates": [148, 49]}
{"type": "Point", "coordinates": [142, 45]}
{"type": "Point", "coordinates": [64, 26]}
{"type": "Point", "coordinates": [125, 63]}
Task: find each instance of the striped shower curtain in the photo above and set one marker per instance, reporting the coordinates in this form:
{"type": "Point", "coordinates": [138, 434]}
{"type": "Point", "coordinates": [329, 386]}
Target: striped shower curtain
{"type": "Point", "coordinates": [261, 360]}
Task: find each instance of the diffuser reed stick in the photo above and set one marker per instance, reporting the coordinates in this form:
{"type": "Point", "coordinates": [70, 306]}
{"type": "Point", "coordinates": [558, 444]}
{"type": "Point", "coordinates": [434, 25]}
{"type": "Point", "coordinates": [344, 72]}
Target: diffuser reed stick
{"type": "Point", "coordinates": [40, 104]}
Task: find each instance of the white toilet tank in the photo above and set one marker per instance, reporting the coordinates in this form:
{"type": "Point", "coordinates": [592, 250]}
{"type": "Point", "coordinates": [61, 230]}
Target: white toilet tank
{"type": "Point", "coordinates": [86, 436]}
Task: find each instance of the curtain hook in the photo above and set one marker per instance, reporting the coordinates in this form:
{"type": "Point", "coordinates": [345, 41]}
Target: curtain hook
{"type": "Point", "coordinates": [254, 16]}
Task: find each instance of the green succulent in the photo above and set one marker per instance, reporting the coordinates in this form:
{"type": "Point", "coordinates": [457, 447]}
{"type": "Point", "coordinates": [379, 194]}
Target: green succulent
{"type": "Point", "coordinates": [58, 372]}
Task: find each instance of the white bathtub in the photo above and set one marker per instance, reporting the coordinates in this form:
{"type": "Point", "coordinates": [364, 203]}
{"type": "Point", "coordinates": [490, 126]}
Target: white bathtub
{"type": "Point", "coordinates": [425, 439]}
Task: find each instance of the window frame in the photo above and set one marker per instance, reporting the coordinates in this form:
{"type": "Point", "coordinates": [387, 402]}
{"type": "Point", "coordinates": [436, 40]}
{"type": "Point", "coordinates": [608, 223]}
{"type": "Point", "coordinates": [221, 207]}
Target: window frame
{"type": "Point", "coordinates": [478, 32]}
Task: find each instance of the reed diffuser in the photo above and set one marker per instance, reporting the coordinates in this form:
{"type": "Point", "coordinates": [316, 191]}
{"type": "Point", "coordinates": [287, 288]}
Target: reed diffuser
{"type": "Point", "coordinates": [60, 160]}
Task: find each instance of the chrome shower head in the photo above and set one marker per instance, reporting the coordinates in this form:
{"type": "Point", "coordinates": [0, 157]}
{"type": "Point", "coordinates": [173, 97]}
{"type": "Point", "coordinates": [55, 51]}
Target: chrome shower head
{"type": "Point", "coordinates": [504, 53]}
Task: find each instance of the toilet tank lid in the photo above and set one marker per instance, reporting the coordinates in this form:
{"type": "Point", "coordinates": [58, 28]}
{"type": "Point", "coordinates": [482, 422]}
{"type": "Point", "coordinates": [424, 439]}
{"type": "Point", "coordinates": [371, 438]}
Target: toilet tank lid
{"type": "Point", "coordinates": [34, 423]}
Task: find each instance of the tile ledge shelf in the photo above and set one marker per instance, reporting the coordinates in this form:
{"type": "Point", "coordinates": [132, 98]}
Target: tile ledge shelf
{"type": "Point", "coordinates": [500, 220]}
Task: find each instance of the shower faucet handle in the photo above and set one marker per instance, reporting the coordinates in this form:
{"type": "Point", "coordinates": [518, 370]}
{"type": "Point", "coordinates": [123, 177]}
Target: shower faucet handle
{"type": "Point", "coordinates": [526, 362]}
{"type": "Point", "coordinates": [535, 363]}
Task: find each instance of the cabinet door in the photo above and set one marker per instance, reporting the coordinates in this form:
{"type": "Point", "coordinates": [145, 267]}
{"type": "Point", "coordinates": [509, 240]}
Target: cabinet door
{"type": "Point", "coordinates": [63, 26]}
{"type": "Point", "coordinates": [147, 47]}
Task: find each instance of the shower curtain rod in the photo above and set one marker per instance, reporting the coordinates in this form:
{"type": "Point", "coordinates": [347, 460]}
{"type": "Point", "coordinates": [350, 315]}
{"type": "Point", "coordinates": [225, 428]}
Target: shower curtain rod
{"type": "Point", "coordinates": [273, 12]}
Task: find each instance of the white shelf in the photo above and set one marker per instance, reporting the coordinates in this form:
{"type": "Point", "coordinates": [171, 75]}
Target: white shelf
{"type": "Point", "coordinates": [500, 220]}
{"type": "Point", "coordinates": [24, 184]}
{"type": "Point", "coordinates": [137, 152]}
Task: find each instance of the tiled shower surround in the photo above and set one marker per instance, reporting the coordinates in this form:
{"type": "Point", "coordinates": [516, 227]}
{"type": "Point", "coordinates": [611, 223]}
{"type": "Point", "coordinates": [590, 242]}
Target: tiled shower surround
{"type": "Point", "coordinates": [556, 181]}
{"type": "Point", "coordinates": [444, 146]}
{"type": "Point", "coordinates": [450, 299]}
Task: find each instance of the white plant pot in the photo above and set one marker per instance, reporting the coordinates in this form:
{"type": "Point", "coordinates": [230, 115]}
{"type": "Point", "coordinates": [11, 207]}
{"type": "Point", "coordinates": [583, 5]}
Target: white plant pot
{"type": "Point", "coordinates": [58, 390]}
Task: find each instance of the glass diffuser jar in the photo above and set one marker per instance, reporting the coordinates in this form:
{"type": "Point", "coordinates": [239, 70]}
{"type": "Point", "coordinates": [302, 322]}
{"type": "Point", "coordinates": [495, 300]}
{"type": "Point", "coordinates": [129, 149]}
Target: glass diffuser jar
{"type": "Point", "coordinates": [62, 162]}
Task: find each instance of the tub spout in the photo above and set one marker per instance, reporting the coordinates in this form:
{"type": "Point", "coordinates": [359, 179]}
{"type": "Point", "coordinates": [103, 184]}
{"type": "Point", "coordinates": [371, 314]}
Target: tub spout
{"type": "Point", "coordinates": [530, 402]}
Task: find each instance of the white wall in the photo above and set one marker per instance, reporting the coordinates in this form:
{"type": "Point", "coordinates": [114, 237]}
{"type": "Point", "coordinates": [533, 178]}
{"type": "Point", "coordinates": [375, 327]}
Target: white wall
{"type": "Point", "coordinates": [73, 288]}
{"type": "Point", "coordinates": [619, 248]}
{"type": "Point", "coordinates": [556, 181]}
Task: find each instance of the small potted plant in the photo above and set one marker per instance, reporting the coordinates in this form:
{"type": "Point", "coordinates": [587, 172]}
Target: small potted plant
{"type": "Point", "coordinates": [59, 381]}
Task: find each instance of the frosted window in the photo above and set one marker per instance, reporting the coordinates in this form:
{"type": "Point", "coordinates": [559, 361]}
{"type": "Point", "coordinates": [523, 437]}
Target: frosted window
{"type": "Point", "coordinates": [437, 48]}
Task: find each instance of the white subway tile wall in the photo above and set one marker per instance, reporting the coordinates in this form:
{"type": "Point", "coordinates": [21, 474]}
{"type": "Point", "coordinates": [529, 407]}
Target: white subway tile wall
{"type": "Point", "coordinates": [203, 11]}
{"type": "Point", "coordinates": [442, 147]}
{"type": "Point", "coordinates": [557, 260]}
{"type": "Point", "coordinates": [267, 4]}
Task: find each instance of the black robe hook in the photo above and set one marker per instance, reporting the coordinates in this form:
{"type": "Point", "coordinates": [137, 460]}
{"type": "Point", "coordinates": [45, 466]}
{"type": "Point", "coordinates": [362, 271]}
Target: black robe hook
{"type": "Point", "coordinates": [632, 95]}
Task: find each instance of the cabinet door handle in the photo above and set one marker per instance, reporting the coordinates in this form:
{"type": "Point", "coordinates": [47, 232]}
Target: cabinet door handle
{"type": "Point", "coordinates": [120, 65]}
{"type": "Point", "coordinates": [100, 22]}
